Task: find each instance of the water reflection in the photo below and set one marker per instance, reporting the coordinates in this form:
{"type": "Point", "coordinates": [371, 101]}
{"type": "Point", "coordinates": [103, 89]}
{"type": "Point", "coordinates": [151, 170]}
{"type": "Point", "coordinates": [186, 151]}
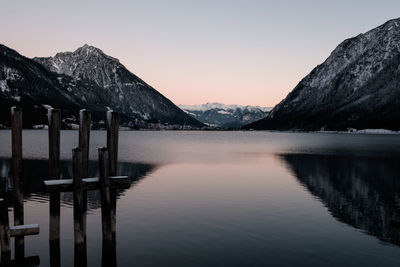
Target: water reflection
{"type": "Point", "coordinates": [363, 192]}
{"type": "Point", "coordinates": [36, 171]}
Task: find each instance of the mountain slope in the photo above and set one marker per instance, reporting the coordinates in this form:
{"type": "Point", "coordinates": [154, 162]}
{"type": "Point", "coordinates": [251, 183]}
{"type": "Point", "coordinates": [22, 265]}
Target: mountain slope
{"type": "Point", "coordinates": [28, 84]}
{"type": "Point", "coordinates": [358, 86]}
{"type": "Point", "coordinates": [226, 116]}
{"type": "Point", "coordinates": [122, 90]}
{"type": "Point", "coordinates": [96, 82]}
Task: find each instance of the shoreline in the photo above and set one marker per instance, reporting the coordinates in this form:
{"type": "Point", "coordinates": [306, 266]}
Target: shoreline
{"type": "Point", "coordinates": [127, 129]}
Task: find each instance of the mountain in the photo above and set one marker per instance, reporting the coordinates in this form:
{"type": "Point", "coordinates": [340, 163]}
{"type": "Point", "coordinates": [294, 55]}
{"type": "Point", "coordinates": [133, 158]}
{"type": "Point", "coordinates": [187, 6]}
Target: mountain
{"type": "Point", "coordinates": [226, 116]}
{"type": "Point", "coordinates": [28, 84]}
{"type": "Point", "coordinates": [358, 86]}
{"type": "Point", "coordinates": [85, 78]}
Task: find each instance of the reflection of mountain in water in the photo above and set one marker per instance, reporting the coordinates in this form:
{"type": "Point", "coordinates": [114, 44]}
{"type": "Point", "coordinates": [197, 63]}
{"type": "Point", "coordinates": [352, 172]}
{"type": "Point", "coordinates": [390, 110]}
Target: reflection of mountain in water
{"type": "Point", "coordinates": [362, 192]}
{"type": "Point", "coordinates": [36, 171]}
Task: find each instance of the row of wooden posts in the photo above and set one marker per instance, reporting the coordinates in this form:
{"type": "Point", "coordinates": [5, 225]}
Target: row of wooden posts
{"type": "Point", "coordinates": [108, 182]}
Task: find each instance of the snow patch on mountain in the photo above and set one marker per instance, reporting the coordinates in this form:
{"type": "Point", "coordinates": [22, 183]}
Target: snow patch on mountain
{"type": "Point", "coordinates": [226, 116]}
{"type": "Point", "coordinates": [3, 86]}
{"type": "Point", "coordinates": [215, 105]}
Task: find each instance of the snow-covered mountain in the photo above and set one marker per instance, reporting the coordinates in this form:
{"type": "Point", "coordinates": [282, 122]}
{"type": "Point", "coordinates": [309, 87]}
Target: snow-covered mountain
{"type": "Point", "coordinates": [226, 116]}
{"type": "Point", "coordinates": [358, 86]}
{"type": "Point", "coordinates": [85, 78]}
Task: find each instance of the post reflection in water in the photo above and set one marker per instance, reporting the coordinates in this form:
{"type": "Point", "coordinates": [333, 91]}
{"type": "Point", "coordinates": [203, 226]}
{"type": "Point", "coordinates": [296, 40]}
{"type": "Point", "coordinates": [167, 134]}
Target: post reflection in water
{"type": "Point", "coordinates": [55, 252]}
{"type": "Point", "coordinates": [108, 254]}
{"type": "Point", "coordinates": [363, 192]}
{"type": "Point", "coordinates": [36, 171]}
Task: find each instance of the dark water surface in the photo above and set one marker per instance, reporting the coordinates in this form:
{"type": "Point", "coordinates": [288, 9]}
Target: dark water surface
{"type": "Point", "coordinates": [231, 198]}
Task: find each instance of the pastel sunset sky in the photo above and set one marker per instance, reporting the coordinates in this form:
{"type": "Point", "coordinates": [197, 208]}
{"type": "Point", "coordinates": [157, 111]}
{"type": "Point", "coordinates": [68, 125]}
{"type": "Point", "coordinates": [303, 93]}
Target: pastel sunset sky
{"type": "Point", "coordinates": [233, 52]}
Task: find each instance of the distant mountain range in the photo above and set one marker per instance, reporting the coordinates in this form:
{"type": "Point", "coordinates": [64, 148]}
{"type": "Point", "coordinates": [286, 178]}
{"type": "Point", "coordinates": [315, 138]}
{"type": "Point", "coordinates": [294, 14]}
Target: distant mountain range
{"type": "Point", "coordinates": [358, 86]}
{"type": "Point", "coordinates": [225, 116]}
{"type": "Point", "coordinates": [85, 78]}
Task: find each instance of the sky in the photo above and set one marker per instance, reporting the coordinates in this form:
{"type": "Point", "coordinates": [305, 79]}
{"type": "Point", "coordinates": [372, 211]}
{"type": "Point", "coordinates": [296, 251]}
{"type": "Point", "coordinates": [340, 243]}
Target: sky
{"type": "Point", "coordinates": [229, 51]}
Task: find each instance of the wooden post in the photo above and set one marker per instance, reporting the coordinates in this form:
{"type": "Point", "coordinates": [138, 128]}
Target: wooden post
{"type": "Point", "coordinates": [79, 233]}
{"type": "Point", "coordinates": [108, 251]}
{"type": "Point", "coordinates": [112, 140]}
{"type": "Point", "coordinates": [16, 121]}
{"type": "Point", "coordinates": [4, 237]}
{"type": "Point", "coordinates": [84, 138]}
{"type": "Point", "coordinates": [104, 183]}
{"type": "Point", "coordinates": [54, 118]}
{"type": "Point", "coordinates": [112, 146]}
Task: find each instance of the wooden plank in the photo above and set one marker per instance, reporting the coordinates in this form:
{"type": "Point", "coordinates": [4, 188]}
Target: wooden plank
{"type": "Point", "coordinates": [80, 258]}
{"type": "Point", "coordinates": [16, 122]}
{"type": "Point", "coordinates": [65, 185]}
{"type": "Point", "coordinates": [112, 146]}
{"type": "Point", "coordinates": [24, 230]}
{"type": "Point", "coordinates": [84, 140]}
{"type": "Point", "coordinates": [54, 120]}
{"type": "Point", "coordinates": [4, 237]}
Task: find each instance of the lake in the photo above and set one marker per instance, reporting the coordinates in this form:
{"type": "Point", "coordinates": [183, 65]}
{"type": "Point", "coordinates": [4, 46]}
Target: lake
{"type": "Point", "coordinates": [230, 198]}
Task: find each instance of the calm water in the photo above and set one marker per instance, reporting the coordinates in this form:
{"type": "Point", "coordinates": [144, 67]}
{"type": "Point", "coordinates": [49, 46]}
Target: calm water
{"type": "Point", "coordinates": [232, 199]}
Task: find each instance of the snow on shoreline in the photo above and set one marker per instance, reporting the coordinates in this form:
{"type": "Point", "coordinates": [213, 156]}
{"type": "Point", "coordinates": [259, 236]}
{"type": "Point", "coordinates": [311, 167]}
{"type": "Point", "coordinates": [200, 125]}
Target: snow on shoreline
{"type": "Point", "coordinates": [363, 131]}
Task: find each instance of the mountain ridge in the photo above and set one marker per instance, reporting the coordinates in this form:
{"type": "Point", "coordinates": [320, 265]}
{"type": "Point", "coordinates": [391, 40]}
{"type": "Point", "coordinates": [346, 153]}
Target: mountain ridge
{"type": "Point", "coordinates": [225, 116]}
{"type": "Point", "coordinates": [85, 78]}
{"type": "Point", "coordinates": [132, 96]}
{"type": "Point", "coordinates": [357, 86]}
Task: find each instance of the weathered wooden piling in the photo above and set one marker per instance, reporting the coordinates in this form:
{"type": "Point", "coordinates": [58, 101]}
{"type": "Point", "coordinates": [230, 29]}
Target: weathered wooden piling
{"type": "Point", "coordinates": [54, 120]}
{"type": "Point", "coordinates": [19, 230]}
{"type": "Point", "coordinates": [112, 140]}
{"type": "Point", "coordinates": [7, 231]}
{"type": "Point", "coordinates": [112, 147]}
{"type": "Point", "coordinates": [54, 117]}
{"type": "Point", "coordinates": [16, 122]}
{"type": "Point", "coordinates": [108, 251]}
{"type": "Point", "coordinates": [107, 182]}
{"type": "Point", "coordinates": [79, 229]}
{"type": "Point", "coordinates": [104, 183]}
{"type": "Point", "coordinates": [84, 140]}
{"type": "Point", "coordinates": [4, 237]}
